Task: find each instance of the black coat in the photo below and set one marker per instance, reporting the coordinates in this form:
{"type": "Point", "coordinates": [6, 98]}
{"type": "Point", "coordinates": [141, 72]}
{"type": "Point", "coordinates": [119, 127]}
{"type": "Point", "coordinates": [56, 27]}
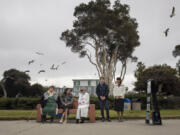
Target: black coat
{"type": "Point", "coordinates": [102, 90]}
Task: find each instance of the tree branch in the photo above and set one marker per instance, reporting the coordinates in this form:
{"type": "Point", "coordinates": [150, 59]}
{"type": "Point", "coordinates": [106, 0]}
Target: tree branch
{"type": "Point", "coordinates": [91, 61]}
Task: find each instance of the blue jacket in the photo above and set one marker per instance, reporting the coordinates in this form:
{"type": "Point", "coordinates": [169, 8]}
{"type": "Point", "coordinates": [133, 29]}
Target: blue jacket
{"type": "Point", "coordinates": [102, 90]}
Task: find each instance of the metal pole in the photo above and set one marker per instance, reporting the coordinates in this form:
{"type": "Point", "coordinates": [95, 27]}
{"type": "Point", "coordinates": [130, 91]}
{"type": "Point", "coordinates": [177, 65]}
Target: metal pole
{"type": "Point", "coordinates": [148, 106]}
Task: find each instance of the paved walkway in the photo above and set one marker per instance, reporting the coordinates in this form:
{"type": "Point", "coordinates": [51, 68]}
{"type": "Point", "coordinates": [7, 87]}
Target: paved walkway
{"type": "Point", "coordinates": [131, 127]}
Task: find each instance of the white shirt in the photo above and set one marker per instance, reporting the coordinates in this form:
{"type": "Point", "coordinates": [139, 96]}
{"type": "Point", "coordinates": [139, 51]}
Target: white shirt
{"type": "Point", "coordinates": [119, 90]}
{"type": "Point", "coordinates": [83, 100]}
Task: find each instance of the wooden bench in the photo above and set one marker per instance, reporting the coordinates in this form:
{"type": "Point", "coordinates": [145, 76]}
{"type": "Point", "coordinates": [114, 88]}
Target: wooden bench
{"type": "Point", "coordinates": [92, 115]}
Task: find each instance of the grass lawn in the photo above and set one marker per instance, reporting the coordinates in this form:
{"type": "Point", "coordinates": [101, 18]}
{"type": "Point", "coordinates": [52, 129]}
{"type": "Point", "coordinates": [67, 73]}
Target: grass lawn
{"type": "Point", "coordinates": [25, 114]}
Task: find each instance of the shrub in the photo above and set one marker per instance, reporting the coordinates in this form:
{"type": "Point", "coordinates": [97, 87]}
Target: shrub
{"type": "Point", "coordinates": [30, 103]}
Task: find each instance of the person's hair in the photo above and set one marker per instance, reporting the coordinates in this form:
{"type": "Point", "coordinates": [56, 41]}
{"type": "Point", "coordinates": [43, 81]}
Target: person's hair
{"type": "Point", "coordinates": [118, 78]}
{"type": "Point", "coordinates": [65, 91]}
{"type": "Point", "coordinates": [83, 89]}
{"type": "Point", "coordinates": [51, 87]}
{"type": "Point", "coordinates": [101, 78]}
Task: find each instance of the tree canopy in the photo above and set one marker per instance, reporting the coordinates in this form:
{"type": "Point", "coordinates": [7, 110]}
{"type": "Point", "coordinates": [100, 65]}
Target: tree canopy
{"type": "Point", "coordinates": [105, 34]}
{"type": "Point", "coordinates": [16, 83]}
{"type": "Point", "coordinates": [162, 74]}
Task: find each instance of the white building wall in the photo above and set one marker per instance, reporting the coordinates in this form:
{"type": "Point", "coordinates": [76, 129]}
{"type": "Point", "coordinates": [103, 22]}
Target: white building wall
{"type": "Point", "coordinates": [93, 83]}
{"type": "Point", "coordinates": [83, 83]}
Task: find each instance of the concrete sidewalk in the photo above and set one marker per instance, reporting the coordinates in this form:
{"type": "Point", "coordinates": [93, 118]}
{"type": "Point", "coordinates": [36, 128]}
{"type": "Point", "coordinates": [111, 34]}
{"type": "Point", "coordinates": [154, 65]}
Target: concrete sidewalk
{"type": "Point", "coordinates": [131, 127]}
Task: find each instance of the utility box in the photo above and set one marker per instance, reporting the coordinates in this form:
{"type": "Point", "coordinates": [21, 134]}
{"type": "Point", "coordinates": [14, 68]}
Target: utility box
{"type": "Point", "coordinates": [127, 104]}
{"type": "Point", "coordinates": [136, 106]}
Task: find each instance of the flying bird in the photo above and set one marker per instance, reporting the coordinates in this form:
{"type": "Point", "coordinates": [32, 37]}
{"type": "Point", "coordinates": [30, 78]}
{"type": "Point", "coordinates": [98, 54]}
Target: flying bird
{"type": "Point", "coordinates": [38, 53]}
{"type": "Point", "coordinates": [30, 62]}
{"type": "Point", "coordinates": [173, 12]}
{"type": "Point", "coordinates": [27, 71]}
{"type": "Point", "coordinates": [41, 71]}
{"type": "Point", "coordinates": [63, 63]}
{"type": "Point", "coordinates": [52, 67]}
{"type": "Point", "coordinates": [166, 32]}
{"type": "Point", "coordinates": [56, 67]}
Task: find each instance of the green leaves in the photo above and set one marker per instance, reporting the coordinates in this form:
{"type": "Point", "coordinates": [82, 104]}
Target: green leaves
{"type": "Point", "coordinates": [162, 74]}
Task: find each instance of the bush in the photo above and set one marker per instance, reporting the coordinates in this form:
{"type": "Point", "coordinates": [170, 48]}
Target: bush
{"type": "Point", "coordinates": [30, 103]}
{"type": "Point", "coordinates": [18, 103]}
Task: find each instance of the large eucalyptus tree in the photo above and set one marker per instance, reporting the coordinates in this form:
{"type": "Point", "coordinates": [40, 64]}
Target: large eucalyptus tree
{"type": "Point", "coordinates": [105, 34]}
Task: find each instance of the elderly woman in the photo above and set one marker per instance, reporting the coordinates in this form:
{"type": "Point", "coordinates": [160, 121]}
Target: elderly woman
{"type": "Point", "coordinates": [83, 105]}
{"type": "Point", "coordinates": [49, 103]}
{"type": "Point", "coordinates": [66, 101]}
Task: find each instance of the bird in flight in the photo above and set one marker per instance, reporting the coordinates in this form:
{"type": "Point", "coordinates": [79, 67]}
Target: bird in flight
{"type": "Point", "coordinates": [173, 12]}
{"type": "Point", "coordinates": [30, 62]}
{"type": "Point", "coordinates": [63, 63]}
{"type": "Point", "coordinates": [26, 71]}
{"type": "Point", "coordinates": [41, 71]}
{"type": "Point", "coordinates": [56, 68]}
{"type": "Point", "coordinates": [52, 67]}
{"type": "Point", "coordinates": [39, 53]}
{"type": "Point", "coordinates": [166, 32]}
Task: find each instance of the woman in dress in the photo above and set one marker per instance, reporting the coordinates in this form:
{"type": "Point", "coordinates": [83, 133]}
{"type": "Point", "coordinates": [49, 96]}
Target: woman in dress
{"type": "Point", "coordinates": [118, 93]}
{"type": "Point", "coordinates": [50, 102]}
{"type": "Point", "coordinates": [83, 106]}
{"type": "Point", "coordinates": [66, 101]}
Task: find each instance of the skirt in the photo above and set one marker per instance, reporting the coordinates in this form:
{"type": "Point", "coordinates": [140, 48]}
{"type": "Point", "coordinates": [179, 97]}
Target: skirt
{"type": "Point", "coordinates": [66, 107]}
{"type": "Point", "coordinates": [119, 104]}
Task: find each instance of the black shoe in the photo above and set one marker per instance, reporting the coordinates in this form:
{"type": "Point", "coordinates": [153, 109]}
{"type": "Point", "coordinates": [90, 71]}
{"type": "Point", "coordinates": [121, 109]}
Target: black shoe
{"type": "Point", "coordinates": [52, 120]}
{"type": "Point", "coordinates": [102, 119]}
{"type": "Point", "coordinates": [43, 118]}
{"type": "Point", "coordinates": [108, 120]}
{"type": "Point", "coordinates": [77, 121]}
{"type": "Point", "coordinates": [82, 120]}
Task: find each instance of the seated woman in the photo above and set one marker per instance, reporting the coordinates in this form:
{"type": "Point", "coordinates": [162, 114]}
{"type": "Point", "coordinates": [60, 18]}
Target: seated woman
{"type": "Point", "coordinates": [49, 103]}
{"type": "Point", "coordinates": [83, 106]}
{"type": "Point", "coordinates": [66, 101]}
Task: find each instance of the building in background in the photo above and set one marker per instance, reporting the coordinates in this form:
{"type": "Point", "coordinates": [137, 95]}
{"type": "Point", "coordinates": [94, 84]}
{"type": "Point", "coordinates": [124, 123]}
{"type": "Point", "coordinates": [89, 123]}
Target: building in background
{"type": "Point", "coordinates": [59, 90]}
{"type": "Point", "coordinates": [89, 84]}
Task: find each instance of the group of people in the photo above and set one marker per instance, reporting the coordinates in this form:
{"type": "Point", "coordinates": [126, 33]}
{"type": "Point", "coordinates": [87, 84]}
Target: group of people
{"type": "Point", "coordinates": [51, 102]}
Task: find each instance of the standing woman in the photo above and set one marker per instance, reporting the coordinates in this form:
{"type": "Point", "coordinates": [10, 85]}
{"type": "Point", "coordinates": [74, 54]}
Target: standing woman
{"type": "Point", "coordinates": [118, 93]}
{"type": "Point", "coordinates": [66, 101]}
{"type": "Point", "coordinates": [49, 103]}
{"type": "Point", "coordinates": [83, 106]}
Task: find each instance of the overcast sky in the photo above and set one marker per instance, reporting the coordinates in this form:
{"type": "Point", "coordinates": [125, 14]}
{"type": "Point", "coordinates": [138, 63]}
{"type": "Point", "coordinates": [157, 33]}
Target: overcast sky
{"type": "Point", "coordinates": [28, 26]}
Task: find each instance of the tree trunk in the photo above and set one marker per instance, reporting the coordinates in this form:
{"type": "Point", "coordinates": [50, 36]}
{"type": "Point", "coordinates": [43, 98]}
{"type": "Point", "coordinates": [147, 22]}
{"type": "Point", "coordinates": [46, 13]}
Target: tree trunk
{"type": "Point", "coordinates": [3, 88]}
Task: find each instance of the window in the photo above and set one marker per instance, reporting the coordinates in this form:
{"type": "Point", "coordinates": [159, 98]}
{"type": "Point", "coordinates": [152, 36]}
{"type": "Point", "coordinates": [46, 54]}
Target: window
{"type": "Point", "coordinates": [76, 83]}
{"type": "Point", "coordinates": [89, 83]}
{"type": "Point", "coordinates": [97, 82]}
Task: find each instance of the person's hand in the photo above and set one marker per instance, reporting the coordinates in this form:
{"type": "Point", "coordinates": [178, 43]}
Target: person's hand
{"type": "Point", "coordinates": [103, 98]}
{"type": "Point", "coordinates": [41, 110]}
